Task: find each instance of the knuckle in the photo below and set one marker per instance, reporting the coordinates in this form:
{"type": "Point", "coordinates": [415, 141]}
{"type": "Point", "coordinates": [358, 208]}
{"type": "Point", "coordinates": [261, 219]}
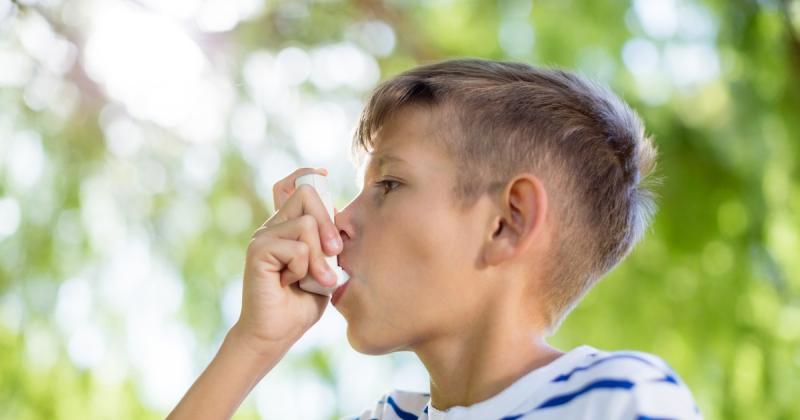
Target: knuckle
{"type": "Point", "coordinates": [302, 249]}
{"type": "Point", "coordinates": [304, 190]}
{"type": "Point", "coordinates": [258, 241]}
{"type": "Point", "coordinates": [273, 220]}
{"type": "Point", "coordinates": [307, 222]}
{"type": "Point", "coordinates": [258, 232]}
{"type": "Point", "coordinates": [254, 247]}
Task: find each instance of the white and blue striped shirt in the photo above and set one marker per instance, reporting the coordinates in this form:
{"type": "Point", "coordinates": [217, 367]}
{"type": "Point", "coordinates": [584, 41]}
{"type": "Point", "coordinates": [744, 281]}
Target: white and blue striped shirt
{"type": "Point", "coordinates": [584, 383]}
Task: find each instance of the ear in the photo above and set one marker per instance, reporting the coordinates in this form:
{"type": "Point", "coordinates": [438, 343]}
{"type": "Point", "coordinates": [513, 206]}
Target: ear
{"type": "Point", "coordinates": [522, 207]}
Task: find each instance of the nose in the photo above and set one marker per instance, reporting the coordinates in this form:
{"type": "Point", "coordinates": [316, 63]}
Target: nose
{"type": "Point", "coordinates": [343, 219]}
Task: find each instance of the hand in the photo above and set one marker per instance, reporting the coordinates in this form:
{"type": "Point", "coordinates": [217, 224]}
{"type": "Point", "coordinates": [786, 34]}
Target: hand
{"type": "Point", "coordinates": [286, 248]}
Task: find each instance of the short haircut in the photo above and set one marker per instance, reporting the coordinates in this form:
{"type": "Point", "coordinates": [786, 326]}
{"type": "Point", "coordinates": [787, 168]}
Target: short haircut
{"type": "Point", "coordinates": [588, 147]}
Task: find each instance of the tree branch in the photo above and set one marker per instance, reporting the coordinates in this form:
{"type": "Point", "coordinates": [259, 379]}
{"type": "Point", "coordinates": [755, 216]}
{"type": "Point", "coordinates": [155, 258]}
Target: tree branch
{"type": "Point", "coordinates": [794, 38]}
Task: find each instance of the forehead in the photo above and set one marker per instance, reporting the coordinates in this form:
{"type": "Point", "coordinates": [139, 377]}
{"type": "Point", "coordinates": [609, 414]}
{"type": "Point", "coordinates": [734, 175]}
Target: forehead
{"type": "Point", "coordinates": [407, 141]}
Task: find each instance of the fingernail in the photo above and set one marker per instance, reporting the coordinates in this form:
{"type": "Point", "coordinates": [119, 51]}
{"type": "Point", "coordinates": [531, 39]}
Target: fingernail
{"type": "Point", "coordinates": [334, 244]}
{"type": "Point", "coordinates": [330, 276]}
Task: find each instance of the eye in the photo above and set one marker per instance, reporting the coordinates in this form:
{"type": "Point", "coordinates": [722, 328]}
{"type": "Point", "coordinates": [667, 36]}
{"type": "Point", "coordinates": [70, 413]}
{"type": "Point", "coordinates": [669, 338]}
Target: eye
{"type": "Point", "coordinates": [385, 183]}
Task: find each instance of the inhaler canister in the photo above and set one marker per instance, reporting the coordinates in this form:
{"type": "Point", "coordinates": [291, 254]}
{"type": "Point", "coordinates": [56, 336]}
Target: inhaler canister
{"type": "Point", "coordinates": [320, 184]}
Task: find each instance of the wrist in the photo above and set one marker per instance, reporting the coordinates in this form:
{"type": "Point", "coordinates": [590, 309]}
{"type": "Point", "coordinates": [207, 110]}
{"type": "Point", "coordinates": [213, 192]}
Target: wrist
{"type": "Point", "coordinates": [259, 350]}
{"type": "Point", "coordinates": [236, 368]}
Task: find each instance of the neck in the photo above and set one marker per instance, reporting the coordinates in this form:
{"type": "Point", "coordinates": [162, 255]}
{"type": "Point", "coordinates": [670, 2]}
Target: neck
{"type": "Point", "coordinates": [472, 366]}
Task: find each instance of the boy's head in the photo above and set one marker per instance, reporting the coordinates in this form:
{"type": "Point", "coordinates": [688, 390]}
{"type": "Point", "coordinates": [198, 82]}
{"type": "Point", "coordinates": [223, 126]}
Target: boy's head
{"type": "Point", "coordinates": [519, 188]}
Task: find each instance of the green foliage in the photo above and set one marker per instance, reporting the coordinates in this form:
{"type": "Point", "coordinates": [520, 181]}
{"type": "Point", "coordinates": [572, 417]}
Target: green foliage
{"type": "Point", "coordinates": [102, 204]}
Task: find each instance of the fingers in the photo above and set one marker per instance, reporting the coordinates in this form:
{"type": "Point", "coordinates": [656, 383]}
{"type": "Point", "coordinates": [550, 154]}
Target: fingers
{"type": "Point", "coordinates": [306, 201]}
{"type": "Point", "coordinates": [301, 218]}
{"type": "Point", "coordinates": [285, 187]}
{"type": "Point", "coordinates": [302, 230]}
{"type": "Point", "coordinates": [278, 253]}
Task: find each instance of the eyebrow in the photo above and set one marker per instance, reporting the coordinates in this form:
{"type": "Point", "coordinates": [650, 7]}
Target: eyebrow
{"type": "Point", "coordinates": [381, 160]}
{"type": "Point", "coordinates": [385, 159]}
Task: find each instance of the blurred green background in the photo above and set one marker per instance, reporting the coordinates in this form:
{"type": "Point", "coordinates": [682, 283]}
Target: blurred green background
{"type": "Point", "coordinates": [139, 141]}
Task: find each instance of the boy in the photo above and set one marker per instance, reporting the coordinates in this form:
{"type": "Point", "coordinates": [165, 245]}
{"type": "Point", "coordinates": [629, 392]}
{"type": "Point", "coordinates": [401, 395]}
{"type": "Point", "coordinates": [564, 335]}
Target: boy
{"type": "Point", "coordinates": [495, 195]}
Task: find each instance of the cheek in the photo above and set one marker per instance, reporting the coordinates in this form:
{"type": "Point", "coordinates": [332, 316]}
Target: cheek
{"type": "Point", "coordinates": [423, 266]}
{"type": "Point", "coordinates": [414, 254]}
{"type": "Point", "coordinates": [417, 275]}
{"type": "Point", "coordinates": [403, 261]}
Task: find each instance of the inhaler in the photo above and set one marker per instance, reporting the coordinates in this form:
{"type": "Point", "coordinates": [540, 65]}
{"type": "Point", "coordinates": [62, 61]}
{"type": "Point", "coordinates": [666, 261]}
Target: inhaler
{"type": "Point", "coordinates": [309, 284]}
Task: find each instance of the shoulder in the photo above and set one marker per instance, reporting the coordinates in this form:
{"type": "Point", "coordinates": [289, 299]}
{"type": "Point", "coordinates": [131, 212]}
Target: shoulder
{"type": "Point", "coordinates": [396, 404]}
{"type": "Point", "coordinates": [620, 384]}
{"type": "Point", "coordinates": [629, 364]}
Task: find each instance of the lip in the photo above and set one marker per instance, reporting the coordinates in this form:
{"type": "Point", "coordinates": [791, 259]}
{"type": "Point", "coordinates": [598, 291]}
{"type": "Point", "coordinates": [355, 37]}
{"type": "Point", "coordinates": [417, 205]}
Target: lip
{"type": "Point", "coordinates": [337, 294]}
{"type": "Point", "coordinates": [339, 291]}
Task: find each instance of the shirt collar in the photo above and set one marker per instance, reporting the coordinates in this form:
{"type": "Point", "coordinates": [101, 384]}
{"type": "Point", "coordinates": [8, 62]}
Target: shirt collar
{"type": "Point", "coordinates": [515, 395]}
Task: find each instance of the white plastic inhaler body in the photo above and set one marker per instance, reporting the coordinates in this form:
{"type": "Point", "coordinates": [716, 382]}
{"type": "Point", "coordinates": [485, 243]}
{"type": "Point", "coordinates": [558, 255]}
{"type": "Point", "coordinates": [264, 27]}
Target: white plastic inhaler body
{"type": "Point", "coordinates": [309, 284]}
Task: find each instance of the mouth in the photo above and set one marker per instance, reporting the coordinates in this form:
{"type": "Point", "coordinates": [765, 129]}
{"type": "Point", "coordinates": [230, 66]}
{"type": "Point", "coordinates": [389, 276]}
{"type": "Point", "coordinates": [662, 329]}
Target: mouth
{"type": "Point", "coordinates": [340, 290]}
{"type": "Point", "coordinates": [337, 294]}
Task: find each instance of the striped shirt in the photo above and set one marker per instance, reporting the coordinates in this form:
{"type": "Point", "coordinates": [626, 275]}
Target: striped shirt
{"type": "Point", "coordinates": [584, 383]}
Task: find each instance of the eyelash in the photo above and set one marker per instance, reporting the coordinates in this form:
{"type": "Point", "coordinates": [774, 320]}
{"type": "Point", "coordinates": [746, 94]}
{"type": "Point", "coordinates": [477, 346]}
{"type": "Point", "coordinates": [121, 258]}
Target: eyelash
{"type": "Point", "coordinates": [386, 182]}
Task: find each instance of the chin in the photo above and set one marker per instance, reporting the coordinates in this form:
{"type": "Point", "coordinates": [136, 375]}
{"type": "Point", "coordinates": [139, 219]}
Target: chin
{"type": "Point", "coordinates": [374, 345]}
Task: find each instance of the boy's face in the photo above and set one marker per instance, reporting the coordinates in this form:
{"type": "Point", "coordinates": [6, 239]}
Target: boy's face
{"type": "Point", "coordinates": [412, 255]}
